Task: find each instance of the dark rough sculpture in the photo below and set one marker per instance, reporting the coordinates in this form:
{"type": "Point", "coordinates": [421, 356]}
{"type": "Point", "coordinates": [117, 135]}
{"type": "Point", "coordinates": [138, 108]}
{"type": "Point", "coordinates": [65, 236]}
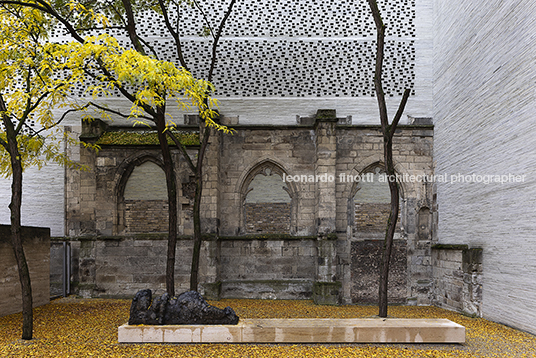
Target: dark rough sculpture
{"type": "Point", "coordinates": [188, 308]}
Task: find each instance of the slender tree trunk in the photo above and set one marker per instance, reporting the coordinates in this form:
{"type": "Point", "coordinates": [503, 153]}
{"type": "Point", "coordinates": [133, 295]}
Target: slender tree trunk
{"type": "Point", "coordinates": [391, 226]}
{"type": "Point", "coordinates": [388, 132]}
{"type": "Point", "coordinates": [172, 200]}
{"type": "Point", "coordinates": [16, 241]}
{"type": "Point", "coordinates": [16, 237]}
{"type": "Point", "coordinates": [194, 273]}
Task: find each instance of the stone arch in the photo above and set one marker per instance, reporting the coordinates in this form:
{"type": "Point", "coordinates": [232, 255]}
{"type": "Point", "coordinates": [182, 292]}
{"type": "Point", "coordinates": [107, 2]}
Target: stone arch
{"type": "Point", "coordinates": [274, 210]}
{"type": "Point", "coordinates": [367, 179]}
{"type": "Point", "coordinates": [363, 164]}
{"type": "Point", "coordinates": [154, 212]}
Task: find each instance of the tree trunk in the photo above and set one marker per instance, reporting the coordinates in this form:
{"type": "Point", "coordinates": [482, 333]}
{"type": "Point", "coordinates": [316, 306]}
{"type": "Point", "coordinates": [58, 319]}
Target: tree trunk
{"type": "Point", "coordinates": [194, 273]}
{"type": "Point", "coordinates": [172, 200]}
{"type": "Point", "coordinates": [388, 132]}
{"type": "Point", "coordinates": [391, 225]}
{"type": "Point", "coordinates": [16, 237]}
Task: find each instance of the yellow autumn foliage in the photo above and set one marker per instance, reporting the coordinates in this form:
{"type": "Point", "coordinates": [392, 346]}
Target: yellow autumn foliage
{"type": "Point", "coordinates": [29, 89]}
{"type": "Point", "coordinates": [72, 327]}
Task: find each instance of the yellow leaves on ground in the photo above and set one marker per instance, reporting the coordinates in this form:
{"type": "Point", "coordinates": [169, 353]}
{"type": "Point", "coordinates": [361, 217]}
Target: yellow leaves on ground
{"type": "Point", "coordinates": [88, 328]}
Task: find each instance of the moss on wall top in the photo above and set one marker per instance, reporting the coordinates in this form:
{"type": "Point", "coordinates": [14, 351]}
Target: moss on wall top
{"type": "Point", "coordinates": [144, 138]}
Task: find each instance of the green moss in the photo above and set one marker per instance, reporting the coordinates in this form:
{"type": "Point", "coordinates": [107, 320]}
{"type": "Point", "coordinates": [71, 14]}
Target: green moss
{"type": "Point", "coordinates": [449, 247]}
{"type": "Point", "coordinates": [331, 236]}
{"type": "Point", "coordinates": [268, 237]}
{"type": "Point", "coordinates": [145, 138]}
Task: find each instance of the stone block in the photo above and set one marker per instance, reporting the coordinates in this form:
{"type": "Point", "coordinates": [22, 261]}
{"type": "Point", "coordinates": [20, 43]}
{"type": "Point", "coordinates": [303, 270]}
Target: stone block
{"type": "Point", "coordinates": [304, 330]}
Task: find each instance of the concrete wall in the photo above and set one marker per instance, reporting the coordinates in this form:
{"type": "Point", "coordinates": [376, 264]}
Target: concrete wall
{"type": "Point", "coordinates": [484, 97]}
{"type": "Point", "coordinates": [36, 244]}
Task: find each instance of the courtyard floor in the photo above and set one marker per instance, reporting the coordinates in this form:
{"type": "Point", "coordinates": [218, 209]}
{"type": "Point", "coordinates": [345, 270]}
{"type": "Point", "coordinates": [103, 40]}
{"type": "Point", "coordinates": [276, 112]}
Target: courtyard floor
{"type": "Point", "coordinates": [71, 327]}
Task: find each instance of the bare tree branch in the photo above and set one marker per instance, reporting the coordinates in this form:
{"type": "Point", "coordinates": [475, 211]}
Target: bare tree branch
{"type": "Point", "coordinates": [173, 32]}
{"type": "Point", "coordinates": [131, 27]}
{"type": "Point", "coordinates": [388, 132]}
{"type": "Point", "coordinates": [203, 13]}
{"type": "Point", "coordinates": [150, 47]}
{"type": "Point", "coordinates": [399, 112]}
{"type": "Point", "coordinates": [106, 109]}
{"type": "Point", "coordinates": [380, 38]}
{"type": "Point", "coordinates": [58, 122]}
{"type": "Point", "coordinates": [99, 28]}
{"type": "Point", "coordinates": [217, 39]}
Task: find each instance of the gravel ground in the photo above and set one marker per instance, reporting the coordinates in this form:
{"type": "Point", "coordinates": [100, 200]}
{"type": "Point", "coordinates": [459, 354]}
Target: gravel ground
{"type": "Point", "coordinates": [71, 327]}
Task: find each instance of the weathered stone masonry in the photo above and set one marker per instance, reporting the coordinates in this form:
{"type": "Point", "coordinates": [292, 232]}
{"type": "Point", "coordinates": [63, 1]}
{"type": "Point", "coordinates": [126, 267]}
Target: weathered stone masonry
{"type": "Point", "coordinates": [36, 244]}
{"type": "Point", "coordinates": [316, 255]}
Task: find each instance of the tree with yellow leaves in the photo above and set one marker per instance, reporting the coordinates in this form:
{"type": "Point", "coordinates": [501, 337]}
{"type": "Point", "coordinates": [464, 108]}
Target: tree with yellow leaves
{"type": "Point", "coordinates": [29, 134]}
{"type": "Point", "coordinates": [141, 77]}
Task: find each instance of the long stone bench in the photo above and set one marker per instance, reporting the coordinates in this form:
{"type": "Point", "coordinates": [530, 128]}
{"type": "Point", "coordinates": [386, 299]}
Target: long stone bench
{"type": "Point", "coordinates": [301, 330]}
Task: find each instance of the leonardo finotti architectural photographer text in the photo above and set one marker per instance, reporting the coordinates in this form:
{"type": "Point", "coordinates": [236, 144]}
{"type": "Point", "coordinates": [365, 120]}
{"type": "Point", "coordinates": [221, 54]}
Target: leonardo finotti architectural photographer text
{"type": "Point", "coordinates": [407, 178]}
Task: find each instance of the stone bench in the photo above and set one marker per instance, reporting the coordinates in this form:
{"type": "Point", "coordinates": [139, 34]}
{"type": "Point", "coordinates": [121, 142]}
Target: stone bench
{"type": "Point", "coordinates": [301, 330]}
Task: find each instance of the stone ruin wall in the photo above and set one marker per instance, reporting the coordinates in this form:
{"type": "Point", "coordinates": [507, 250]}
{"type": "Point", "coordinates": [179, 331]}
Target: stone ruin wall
{"type": "Point", "coordinates": [36, 243]}
{"type": "Point", "coordinates": [311, 242]}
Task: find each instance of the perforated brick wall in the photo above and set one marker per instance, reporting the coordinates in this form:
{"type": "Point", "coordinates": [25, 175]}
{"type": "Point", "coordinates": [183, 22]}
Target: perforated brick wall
{"type": "Point", "coordinates": [291, 48]}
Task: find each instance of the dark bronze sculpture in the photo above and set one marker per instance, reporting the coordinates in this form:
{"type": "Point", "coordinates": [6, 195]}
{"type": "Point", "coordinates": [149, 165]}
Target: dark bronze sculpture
{"type": "Point", "coordinates": [188, 308]}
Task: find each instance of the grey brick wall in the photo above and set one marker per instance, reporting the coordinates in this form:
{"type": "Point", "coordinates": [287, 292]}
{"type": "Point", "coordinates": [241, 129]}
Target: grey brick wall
{"type": "Point", "coordinates": [281, 269]}
{"type": "Point", "coordinates": [372, 217]}
{"type": "Point", "coordinates": [146, 216]}
{"type": "Point", "coordinates": [484, 124]}
{"type": "Point", "coordinates": [120, 266]}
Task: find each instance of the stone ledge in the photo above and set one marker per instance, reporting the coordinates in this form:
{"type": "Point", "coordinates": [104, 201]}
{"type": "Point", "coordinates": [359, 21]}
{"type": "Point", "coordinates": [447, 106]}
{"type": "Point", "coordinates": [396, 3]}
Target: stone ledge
{"type": "Point", "coordinates": [302, 330]}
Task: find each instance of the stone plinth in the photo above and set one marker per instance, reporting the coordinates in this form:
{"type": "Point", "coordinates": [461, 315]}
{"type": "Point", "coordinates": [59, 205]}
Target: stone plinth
{"type": "Point", "coordinates": [303, 330]}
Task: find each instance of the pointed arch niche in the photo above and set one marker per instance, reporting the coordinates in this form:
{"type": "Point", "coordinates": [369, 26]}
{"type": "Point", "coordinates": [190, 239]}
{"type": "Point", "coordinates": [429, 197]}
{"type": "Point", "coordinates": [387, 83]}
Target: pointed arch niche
{"type": "Point", "coordinates": [370, 202]}
{"type": "Point", "coordinates": [142, 204]}
{"type": "Point", "coordinates": [268, 203]}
